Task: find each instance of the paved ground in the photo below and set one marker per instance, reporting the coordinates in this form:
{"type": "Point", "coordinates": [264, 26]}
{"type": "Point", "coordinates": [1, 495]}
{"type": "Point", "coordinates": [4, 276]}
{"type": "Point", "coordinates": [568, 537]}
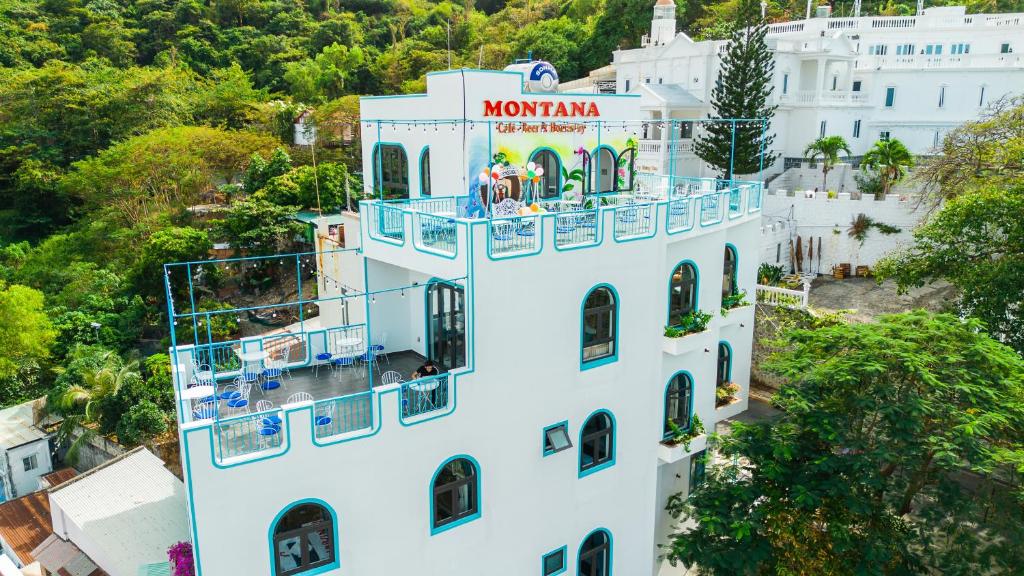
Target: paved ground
{"type": "Point", "coordinates": [869, 299]}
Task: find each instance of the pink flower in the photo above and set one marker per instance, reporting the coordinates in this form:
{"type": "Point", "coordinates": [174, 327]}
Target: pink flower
{"type": "Point", "coordinates": [622, 171]}
{"type": "Point", "coordinates": [580, 151]}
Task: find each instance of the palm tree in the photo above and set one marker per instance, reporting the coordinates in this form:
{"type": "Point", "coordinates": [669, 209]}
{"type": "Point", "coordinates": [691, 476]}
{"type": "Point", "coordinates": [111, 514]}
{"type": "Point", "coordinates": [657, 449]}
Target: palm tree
{"type": "Point", "coordinates": [891, 159]}
{"type": "Point", "coordinates": [827, 148]}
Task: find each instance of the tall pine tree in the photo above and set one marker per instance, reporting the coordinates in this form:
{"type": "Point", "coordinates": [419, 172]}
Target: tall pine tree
{"type": "Point", "coordinates": [742, 91]}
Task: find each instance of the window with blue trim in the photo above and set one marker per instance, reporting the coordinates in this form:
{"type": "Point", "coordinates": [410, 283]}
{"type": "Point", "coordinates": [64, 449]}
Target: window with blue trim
{"type": "Point", "coordinates": [597, 443]}
{"type": "Point", "coordinates": [556, 438]}
{"type": "Point", "coordinates": [682, 292]}
{"type": "Point", "coordinates": [729, 285]}
{"type": "Point", "coordinates": [599, 324]}
{"type": "Point", "coordinates": [390, 171]}
{"type": "Point", "coordinates": [553, 563]}
{"type": "Point", "coordinates": [456, 493]}
{"type": "Point", "coordinates": [304, 540]}
{"type": "Point", "coordinates": [548, 187]}
{"type": "Point", "coordinates": [596, 555]}
{"type": "Point", "coordinates": [425, 172]}
{"type": "Point", "coordinates": [724, 374]}
{"type": "Point", "coordinates": [678, 403]}
{"type": "Point", "coordinates": [698, 467]}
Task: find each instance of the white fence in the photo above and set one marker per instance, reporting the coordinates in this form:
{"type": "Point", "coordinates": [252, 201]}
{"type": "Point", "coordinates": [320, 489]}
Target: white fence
{"type": "Point", "coordinates": [776, 296]}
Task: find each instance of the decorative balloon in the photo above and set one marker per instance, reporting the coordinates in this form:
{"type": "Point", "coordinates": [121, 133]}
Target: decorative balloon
{"type": "Point", "coordinates": [531, 165]}
{"type": "Point", "coordinates": [539, 171]}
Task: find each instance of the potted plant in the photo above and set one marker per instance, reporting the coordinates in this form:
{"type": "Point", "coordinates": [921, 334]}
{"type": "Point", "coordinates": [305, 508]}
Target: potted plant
{"type": "Point", "coordinates": [180, 558]}
{"type": "Point", "coordinates": [733, 301]}
{"type": "Point", "coordinates": [726, 394]}
{"type": "Point", "coordinates": [679, 436]}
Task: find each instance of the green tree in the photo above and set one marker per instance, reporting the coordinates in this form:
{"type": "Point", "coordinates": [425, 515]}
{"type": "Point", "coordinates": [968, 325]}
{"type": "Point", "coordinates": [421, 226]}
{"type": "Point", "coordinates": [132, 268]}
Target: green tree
{"type": "Point", "coordinates": [827, 149]}
{"type": "Point", "coordinates": [260, 171]}
{"type": "Point", "coordinates": [741, 91]}
{"type": "Point", "coordinates": [228, 99]}
{"type": "Point", "coordinates": [142, 422]}
{"type": "Point", "coordinates": [891, 159]}
{"type": "Point", "coordinates": [976, 243]}
{"type": "Point", "coordinates": [860, 474]}
{"type": "Point", "coordinates": [323, 78]}
{"type": "Point", "coordinates": [184, 244]}
{"type": "Point", "coordinates": [26, 336]}
{"type": "Point", "coordinates": [258, 227]}
{"type": "Point", "coordinates": [100, 382]}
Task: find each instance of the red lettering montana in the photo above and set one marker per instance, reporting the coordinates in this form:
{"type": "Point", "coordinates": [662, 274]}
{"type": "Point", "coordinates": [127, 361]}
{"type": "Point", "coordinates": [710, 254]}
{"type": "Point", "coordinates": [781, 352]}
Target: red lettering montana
{"type": "Point", "coordinates": [542, 108]}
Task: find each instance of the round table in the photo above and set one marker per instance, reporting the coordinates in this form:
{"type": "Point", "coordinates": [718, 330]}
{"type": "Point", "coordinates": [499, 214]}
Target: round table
{"type": "Point", "coordinates": [344, 343]}
{"type": "Point", "coordinates": [252, 356]}
{"type": "Point", "coordinates": [196, 392]}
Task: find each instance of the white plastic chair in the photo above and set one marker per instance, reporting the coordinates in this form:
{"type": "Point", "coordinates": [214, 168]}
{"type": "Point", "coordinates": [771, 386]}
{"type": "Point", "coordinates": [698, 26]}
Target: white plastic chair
{"type": "Point", "coordinates": [240, 405]}
{"type": "Point", "coordinates": [299, 397]}
{"type": "Point", "coordinates": [264, 405]}
{"type": "Point", "coordinates": [391, 377]}
{"type": "Point", "coordinates": [280, 360]}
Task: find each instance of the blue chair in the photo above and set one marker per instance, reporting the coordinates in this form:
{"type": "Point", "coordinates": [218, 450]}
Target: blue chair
{"type": "Point", "coordinates": [321, 358]}
{"type": "Point", "coordinates": [343, 361]}
{"type": "Point", "coordinates": [269, 385]}
{"type": "Point", "coordinates": [242, 402]}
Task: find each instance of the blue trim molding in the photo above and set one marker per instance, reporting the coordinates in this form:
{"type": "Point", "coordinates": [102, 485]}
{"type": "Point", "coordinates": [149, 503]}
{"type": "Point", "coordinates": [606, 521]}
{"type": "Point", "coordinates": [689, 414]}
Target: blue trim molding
{"type": "Point", "coordinates": [615, 437]}
{"type": "Point", "coordinates": [561, 165]}
{"type": "Point", "coordinates": [611, 548]}
{"type": "Point", "coordinates": [614, 356]}
{"type": "Point", "coordinates": [736, 270]}
{"type": "Point", "coordinates": [564, 550]}
{"type": "Point", "coordinates": [419, 170]}
{"type": "Point", "coordinates": [334, 521]}
{"type": "Point", "coordinates": [479, 495]}
{"type": "Point", "coordinates": [689, 380]}
{"type": "Point", "coordinates": [728, 368]}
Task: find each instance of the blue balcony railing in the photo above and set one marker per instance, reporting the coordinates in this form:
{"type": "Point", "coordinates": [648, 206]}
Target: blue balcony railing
{"type": "Point", "coordinates": [680, 215]}
{"type": "Point", "coordinates": [515, 235]}
{"type": "Point", "coordinates": [248, 434]}
{"type": "Point", "coordinates": [424, 395]}
{"type": "Point", "coordinates": [576, 228]}
{"type": "Point", "coordinates": [635, 221]}
{"type": "Point", "coordinates": [343, 414]}
{"type": "Point", "coordinates": [435, 233]}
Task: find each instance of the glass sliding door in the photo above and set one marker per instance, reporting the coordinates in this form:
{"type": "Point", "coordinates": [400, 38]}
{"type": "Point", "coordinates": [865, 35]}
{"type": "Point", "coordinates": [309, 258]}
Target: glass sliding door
{"type": "Point", "coordinates": [446, 325]}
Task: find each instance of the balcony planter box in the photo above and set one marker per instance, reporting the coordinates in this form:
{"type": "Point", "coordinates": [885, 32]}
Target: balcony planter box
{"type": "Point", "coordinates": [672, 453]}
{"type": "Point", "coordinates": [689, 343]}
{"type": "Point", "coordinates": [735, 316]}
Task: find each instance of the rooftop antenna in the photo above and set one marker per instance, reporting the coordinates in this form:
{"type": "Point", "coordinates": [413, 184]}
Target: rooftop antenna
{"type": "Point", "coordinates": [808, 17]}
{"type": "Point", "coordinates": [856, 8]}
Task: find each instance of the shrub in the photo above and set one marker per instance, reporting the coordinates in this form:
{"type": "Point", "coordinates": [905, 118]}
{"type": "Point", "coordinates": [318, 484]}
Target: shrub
{"type": "Point", "coordinates": [142, 422]}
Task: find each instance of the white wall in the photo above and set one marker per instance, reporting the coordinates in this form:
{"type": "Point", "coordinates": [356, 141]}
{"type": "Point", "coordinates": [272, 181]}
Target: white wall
{"type": "Point", "coordinates": [524, 318]}
{"type": "Point", "coordinates": [27, 482]}
{"type": "Point", "coordinates": [829, 220]}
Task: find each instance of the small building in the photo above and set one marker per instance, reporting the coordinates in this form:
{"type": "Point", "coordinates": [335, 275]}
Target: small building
{"type": "Point", "coordinates": [24, 449]}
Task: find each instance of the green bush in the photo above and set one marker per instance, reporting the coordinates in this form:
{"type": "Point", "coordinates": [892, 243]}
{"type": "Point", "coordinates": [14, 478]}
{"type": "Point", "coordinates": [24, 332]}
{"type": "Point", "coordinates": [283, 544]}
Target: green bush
{"type": "Point", "coordinates": [142, 422]}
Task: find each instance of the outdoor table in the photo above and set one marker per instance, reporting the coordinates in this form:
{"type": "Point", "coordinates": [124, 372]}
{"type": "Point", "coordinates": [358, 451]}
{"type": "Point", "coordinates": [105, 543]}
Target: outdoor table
{"type": "Point", "coordinates": [252, 356]}
{"type": "Point", "coordinates": [423, 390]}
{"type": "Point", "coordinates": [196, 392]}
{"type": "Point", "coordinates": [349, 343]}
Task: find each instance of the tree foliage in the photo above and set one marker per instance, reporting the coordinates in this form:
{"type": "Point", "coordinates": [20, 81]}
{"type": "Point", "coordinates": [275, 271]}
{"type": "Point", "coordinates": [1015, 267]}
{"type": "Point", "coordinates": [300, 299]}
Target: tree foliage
{"type": "Point", "coordinates": [976, 243]}
{"type": "Point", "coordinates": [827, 149]}
{"type": "Point", "coordinates": [742, 90]}
{"type": "Point", "coordinates": [864, 471]}
{"type": "Point", "coordinates": [890, 159]}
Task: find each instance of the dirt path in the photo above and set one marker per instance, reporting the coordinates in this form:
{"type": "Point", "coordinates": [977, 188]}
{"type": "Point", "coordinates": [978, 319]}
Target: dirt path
{"type": "Point", "coordinates": [869, 299]}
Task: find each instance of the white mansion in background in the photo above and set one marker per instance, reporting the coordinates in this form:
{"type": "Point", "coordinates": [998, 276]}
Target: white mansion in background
{"type": "Point", "coordinates": [868, 78]}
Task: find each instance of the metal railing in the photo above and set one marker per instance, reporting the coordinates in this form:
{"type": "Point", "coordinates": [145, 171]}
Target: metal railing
{"type": "Point", "coordinates": [513, 235]}
{"type": "Point", "coordinates": [441, 206]}
{"type": "Point", "coordinates": [635, 221]}
{"type": "Point", "coordinates": [424, 395]}
{"type": "Point", "coordinates": [435, 233]}
{"type": "Point", "coordinates": [711, 209]}
{"type": "Point", "coordinates": [248, 434]}
{"type": "Point", "coordinates": [680, 215]}
{"type": "Point", "coordinates": [387, 223]}
{"type": "Point", "coordinates": [343, 414]}
{"type": "Point", "coordinates": [576, 228]}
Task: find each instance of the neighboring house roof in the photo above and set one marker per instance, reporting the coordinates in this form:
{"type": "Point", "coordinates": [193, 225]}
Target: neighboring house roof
{"type": "Point", "coordinates": [59, 477]}
{"type": "Point", "coordinates": [159, 569]}
{"type": "Point", "coordinates": [18, 424]}
{"type": "Point", "coordinates": [65, 559]}
{"type": "Point", "coordinates": [130, 510]}
{"type": "Point", "coordinates": [25, 523]}
{"type": "Point", "coordinates": [673, 95]}
{"type": "Point", "coordinates": [310, 217]}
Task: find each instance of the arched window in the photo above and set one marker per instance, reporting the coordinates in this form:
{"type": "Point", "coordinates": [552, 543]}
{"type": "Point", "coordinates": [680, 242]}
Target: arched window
{"type": "Point", "coordinates": [456, 494]}
{"type": "Point", "coordinates": [678, 402]}
{"type": "Point", "coordinates": [550, 182]}
{"type": "Point", "coordinates": [425, 172]}
{"type": "Point", "coordinates": [724, 364]}
{"type": "Point", "coordinates": [605, 168]}
{"type": "Point", "coordinates": [729, 287]}
{"type": "Point", "coordinates": [600, 316]}
{"type": "Point", "coordinates": [390, 171]}
{"type": "Point", "coordinates": [682, 292]}
{"type": "Point", "coordinates": [304, 539]}
{"type": "Point", "coordinates": [595, 557]}
{"type": "Point", "coordinates": [597, 443]}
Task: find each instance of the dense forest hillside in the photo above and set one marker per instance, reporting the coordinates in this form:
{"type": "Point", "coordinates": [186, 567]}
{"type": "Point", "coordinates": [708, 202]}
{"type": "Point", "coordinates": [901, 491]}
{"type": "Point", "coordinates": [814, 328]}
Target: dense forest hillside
{"type": "Point", "coordinates": [117, 116]}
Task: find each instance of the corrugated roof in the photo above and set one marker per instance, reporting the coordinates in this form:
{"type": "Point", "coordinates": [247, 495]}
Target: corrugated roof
{"type": "Point", "coordinates": [59, 477]}
{"type": "Point", "coordinates": [310, 217]}
{"type": "Point", "coordinates": [25, 523]}
{"type": "Point", "coordinates": [135, 495]}
{"type": "Point", "coordinates": [17, 424]}
{"type": "Point", "coordinates": [64, 558]}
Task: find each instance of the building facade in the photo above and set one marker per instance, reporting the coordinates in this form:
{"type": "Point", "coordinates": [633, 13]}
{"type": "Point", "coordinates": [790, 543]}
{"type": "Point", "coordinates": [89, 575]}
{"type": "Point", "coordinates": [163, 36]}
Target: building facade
{"type": "Point", "coordinates": [24, 450]}
{"type": "Point", "coordinates": [863, 78]}
{"type": "Point", "coordinates": [508, 238]}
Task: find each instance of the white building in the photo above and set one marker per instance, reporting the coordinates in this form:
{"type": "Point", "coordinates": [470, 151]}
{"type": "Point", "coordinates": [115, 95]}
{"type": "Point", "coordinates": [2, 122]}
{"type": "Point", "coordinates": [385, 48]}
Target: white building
{"type": "Point", "coordinates": [867, 78]}
{"type": "Point", "coordinates": [24, 450]}
{"type": "Point", "coordinates": [539, 448]}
